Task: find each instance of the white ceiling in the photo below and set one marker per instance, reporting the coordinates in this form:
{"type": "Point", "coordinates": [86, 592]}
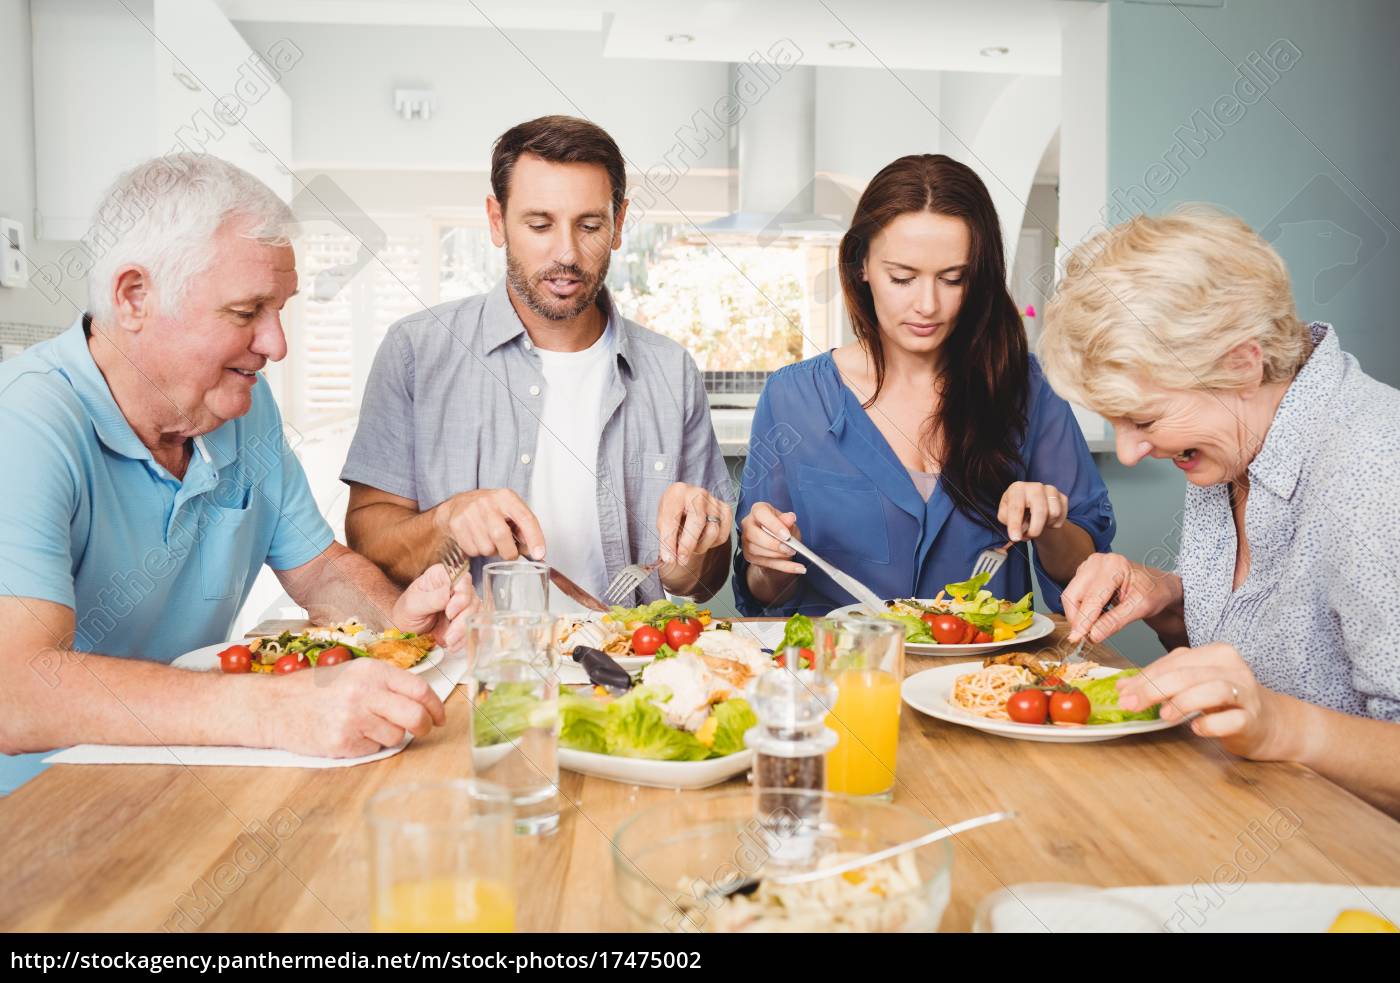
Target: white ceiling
{"type": "Point", "coordinates": [941, 35]}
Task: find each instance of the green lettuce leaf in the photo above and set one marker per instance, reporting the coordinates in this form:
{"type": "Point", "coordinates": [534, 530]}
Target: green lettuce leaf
{"type": "Point", "coordinates": [1014, 618]}
{"type": "Point", "coordinates": [979, 620]}
{"type": "Point", "coordinates": [967, 588]}
{"type": "Point", "coordinates": [506, 713]}
{"type": "Point", "coordinates": [582, 722]}
{"type": "Point", "coordinates": [915, 629]}
{"type": "Point", "coordinates": [1103, 700]}
{"type": "Point", "coordinates": [735, 717]}
{"type": "Point", "coordinates": [797, 633]}
{"type": "Point", "coordinates": [635, 728]}
{"type": "Point", "coordinates": [657, 613]}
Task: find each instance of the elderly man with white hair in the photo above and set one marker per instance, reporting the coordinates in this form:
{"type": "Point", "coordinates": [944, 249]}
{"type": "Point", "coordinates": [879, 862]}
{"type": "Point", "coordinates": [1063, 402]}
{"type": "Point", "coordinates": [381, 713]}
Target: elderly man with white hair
{"type": "Point", "coordinates": [153, 481]}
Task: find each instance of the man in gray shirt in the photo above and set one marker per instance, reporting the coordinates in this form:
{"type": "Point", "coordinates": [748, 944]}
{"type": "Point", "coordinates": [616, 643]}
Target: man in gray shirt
{"type": "Point", "coordinates": [535, 420]}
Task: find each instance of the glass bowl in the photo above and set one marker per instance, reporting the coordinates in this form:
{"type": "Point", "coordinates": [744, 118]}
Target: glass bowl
{"type": "Point", "coordinates": [676, 866]}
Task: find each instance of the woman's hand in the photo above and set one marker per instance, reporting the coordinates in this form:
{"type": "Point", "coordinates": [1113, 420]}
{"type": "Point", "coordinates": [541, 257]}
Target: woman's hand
{"type": "Point", "coordinates": [1216, 682]}
{"type": "Point", "coordinates": [1047, 507]}
{"type": "Point", "coordinates": [1137, 592]}
{"type": "Point", "coordinates": [764, 549]}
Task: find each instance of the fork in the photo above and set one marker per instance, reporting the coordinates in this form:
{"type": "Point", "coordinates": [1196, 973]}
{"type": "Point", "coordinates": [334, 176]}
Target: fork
{"type": "Point", "coordinates": [455, 559]}
{"type": "Point", "coordinates": [989, 561]}
{"type": "Point", "coordinates": [628, 579]}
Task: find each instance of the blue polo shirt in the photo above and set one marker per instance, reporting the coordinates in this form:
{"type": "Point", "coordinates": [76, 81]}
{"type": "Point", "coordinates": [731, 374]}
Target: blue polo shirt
{"type": "Point", "coordinates": [151, 566]}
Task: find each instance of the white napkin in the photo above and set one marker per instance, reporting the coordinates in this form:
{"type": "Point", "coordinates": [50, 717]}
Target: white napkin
{"type": "Point", "coordinates": [768, 634]}
{"type": "Point", "coordinates": [442, 678]}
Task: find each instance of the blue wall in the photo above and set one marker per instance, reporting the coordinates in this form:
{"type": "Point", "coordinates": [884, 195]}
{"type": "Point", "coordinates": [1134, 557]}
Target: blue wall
{"type": "Point", "coordinates": [1314, 162]}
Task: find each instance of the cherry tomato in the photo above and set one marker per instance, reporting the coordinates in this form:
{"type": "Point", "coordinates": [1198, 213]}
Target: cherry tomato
{"type": "Point", "coordinates": [982, 638]}
{"type": "Point", "coordinates": [290, 663]}
{"type": "Point", "coordinates": [646, 640]}
{"type": "Point", "coordinates": [809, 658]}
{"type": "Point", "coordinates": [333, 656]}
{"type": "Point", "coordinates": [1069, 708]}
{"type": "Point", "coordinates": [947, 629]}
{"type": "Point", "coordinates": [236, 658]}
{"type": "Point", "coordinates": [969, 633]}
{"type": "Point", "coordinates": [682, 631]}
{"type": "Point", "coordinates": [1027, 706]}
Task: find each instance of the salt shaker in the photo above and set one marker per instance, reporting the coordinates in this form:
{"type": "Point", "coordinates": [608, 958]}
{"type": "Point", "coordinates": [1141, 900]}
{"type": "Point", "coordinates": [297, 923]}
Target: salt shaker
{"type": "Point", "coordinates": [790, 744]}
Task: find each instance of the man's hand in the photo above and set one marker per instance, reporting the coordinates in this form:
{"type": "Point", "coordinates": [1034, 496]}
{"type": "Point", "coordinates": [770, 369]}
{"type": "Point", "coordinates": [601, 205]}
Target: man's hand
{"type": "Point", "coordinates": [346, 711]}
{"type": "Point", "coordinates": [433, 605]}
{"type": "Point", "coordinates": [691, 523]}
{"type": "Point", "coordinates": [487, 522]}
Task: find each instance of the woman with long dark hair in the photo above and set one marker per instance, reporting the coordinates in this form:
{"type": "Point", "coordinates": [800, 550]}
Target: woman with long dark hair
{"type": "Point", "coordinates": [933, 436]}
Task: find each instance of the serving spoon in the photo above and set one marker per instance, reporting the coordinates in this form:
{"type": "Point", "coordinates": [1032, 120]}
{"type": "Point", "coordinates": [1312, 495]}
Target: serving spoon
{"type": "Point", "coordinates": [749, 885]}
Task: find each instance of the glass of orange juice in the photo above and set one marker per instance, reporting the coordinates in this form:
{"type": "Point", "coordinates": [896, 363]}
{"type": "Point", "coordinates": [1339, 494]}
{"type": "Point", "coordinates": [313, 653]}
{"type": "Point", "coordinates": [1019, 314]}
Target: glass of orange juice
{"type": "Point", "coordinates": [864, 658]}
{"type": "Point", "coordinates": [440, 858]}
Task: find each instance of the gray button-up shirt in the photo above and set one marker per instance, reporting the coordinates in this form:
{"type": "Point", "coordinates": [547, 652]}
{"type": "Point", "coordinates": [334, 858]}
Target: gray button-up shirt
{"type": "Point", "coordinates": [1316, 616]}
{"type": "Point", "coordinates": [453, 400]}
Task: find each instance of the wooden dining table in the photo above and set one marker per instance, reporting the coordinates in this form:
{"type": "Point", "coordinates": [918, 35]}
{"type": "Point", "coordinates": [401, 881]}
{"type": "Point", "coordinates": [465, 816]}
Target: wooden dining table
{"type": "Point", "coordinates": [133, 848]}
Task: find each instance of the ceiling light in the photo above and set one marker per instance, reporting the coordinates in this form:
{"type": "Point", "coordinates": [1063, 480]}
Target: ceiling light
{"type": "Point", "coordinates": [995, 51]}
{"type": "Point", "coordinates": [680, 38]}
{"type": "Point", "coordinates": [842, 45]}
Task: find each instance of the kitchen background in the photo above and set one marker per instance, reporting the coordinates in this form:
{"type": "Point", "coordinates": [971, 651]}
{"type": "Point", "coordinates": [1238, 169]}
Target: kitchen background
{"type": "Point", "coordinates": [758, 122]}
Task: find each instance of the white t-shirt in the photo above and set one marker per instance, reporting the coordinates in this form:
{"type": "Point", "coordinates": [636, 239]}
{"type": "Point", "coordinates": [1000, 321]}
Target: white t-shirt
{"type": "Point", "coordinates": [563, 484]}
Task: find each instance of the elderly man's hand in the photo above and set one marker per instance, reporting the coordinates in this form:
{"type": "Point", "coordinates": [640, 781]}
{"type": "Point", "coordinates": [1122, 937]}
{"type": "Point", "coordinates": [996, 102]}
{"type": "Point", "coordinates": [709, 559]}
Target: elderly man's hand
{"type": "Point", "coordinates": [1215, 681]}
{"type": "Point", "coordinates": [346, 711]}
{"type": "Point", "coordinates": [432, 605]}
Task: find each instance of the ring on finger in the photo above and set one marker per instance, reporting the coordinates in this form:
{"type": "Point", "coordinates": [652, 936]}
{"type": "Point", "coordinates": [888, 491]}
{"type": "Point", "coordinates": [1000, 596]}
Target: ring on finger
{"type": "Point", "coordinates": [713, 518]}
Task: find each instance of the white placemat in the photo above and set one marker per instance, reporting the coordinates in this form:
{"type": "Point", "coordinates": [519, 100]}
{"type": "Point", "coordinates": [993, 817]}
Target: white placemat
{"type": "Point", "coordinates": [442, 679]}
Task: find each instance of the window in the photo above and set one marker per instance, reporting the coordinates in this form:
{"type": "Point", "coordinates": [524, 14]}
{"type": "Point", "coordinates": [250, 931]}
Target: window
{"type": "Point", "coordinates": [734, 307]}
{"type": "Point", "coordinates": [333, 349]}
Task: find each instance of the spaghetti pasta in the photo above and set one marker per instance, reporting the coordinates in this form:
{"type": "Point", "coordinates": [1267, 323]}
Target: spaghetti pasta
{"type": "Point", "coordinates": [985, 692]}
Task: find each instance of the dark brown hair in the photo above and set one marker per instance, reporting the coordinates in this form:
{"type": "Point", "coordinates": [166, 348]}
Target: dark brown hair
{"type": "Point", "coordinates": [984, 361]}
{"type": "Point", "coordinates": [559, 140]}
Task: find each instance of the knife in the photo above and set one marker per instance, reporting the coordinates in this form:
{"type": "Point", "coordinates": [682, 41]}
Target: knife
{"type": "Point", "coordinates": [851, 585]}
{"type": "Point", "coordinates": [574, 592]}
{"type": "Point", "coordinates": [566, 586]}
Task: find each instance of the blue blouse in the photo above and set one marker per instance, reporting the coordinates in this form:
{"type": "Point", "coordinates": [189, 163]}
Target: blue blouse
{"type": "Point", "coordinates": [815, 451]}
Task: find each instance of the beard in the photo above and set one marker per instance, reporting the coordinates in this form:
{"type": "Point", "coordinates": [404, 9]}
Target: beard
{"type": "Point", "coordinates": [531, 288]}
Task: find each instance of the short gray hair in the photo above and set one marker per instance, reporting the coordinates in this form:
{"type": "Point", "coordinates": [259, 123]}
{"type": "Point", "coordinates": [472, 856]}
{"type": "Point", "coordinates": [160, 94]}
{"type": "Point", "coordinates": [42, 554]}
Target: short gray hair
{"type": "Point", "coordinates": [163, 215]}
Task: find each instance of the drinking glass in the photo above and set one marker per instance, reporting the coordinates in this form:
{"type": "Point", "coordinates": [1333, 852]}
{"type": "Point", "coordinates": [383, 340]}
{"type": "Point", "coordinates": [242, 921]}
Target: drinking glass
{"type": "Point", "coordinates": [515, 585]}
{"type": "Point", "coordinates": [864, 659]}
{"type": "Point", "coordinates": [514, 690]}
{"type": "Point", "coordinates": [440, 858]}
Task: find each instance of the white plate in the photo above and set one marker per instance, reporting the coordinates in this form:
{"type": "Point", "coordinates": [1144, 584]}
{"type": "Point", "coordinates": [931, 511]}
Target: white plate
{"type": "Point", "coordinates": [1040, 627]}
{"type": "Point", "coordinates": [657, 774]}
{"type": "Point", "coordinates": [1182, 908]}
{"type": "Point", "coordinates": [931, 691]}
{"type": "Point", "coordinates": [629, 662]}
{"type": "Point", "coordinates": [207, 659]}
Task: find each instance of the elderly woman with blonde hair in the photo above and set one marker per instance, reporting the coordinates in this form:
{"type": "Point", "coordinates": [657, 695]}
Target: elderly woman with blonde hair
{"type": "Point", "coordinates": [1181, 330]}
